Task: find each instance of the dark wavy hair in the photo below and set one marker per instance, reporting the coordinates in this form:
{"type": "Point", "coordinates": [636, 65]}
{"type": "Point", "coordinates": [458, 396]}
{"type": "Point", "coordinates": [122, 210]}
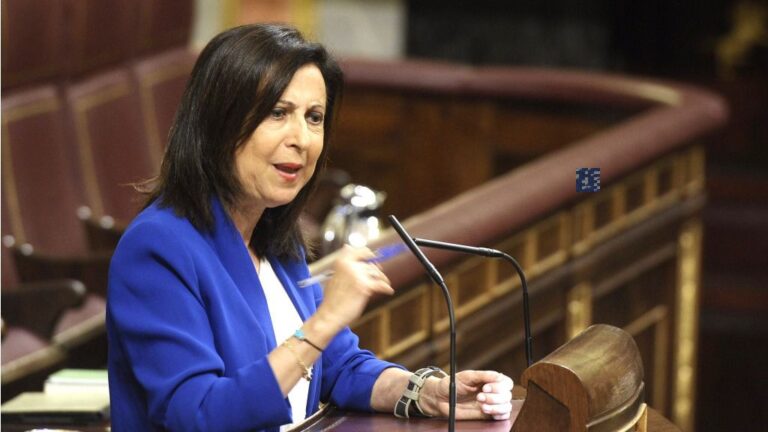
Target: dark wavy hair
{"type": "Point", "coordinates": [235, 83]}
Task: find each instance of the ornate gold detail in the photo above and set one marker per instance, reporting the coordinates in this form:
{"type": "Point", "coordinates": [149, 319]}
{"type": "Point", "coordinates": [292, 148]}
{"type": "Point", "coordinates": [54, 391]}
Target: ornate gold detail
{"type": "Point", "coordinates": [583, 226]}
{"type": "Point", "coordinates": [370, 329]}
{"type": "Point", "coordinates": [420, 319]}
{"type": "Point", "coordinates": [579, 311]}
{"type": "Point", "coordinates": [750, 29]}
{"type": "Point", "coordinates": [651, 181]}
{"type": "Point", "coordinates": [642, 423]}
{"type": "Point", "coordinates": [688, 279]}
{"type": "Point", "coordinates": [550, 242]}
{"type": "Point", "coordinates": [696, 171]}
{"type": "Point", "coordinates": [656, 319]}
{"type": "Point", "coordinates": [516, 247]}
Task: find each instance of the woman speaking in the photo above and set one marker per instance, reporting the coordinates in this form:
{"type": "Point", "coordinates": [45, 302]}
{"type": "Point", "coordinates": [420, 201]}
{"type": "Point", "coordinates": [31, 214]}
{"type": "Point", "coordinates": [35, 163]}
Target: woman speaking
{"type": "Point", "coordinates": [207, 328]}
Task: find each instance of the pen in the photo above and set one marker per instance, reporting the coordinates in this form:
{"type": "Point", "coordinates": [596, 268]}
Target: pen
{"type": "Point", "coordinates": [382, 254]}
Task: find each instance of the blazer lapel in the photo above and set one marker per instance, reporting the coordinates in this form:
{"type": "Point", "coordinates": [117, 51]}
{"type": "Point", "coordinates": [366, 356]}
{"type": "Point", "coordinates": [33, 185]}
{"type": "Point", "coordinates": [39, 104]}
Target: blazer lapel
{"type": "Point", "coordinates": [230, 247]}
{"type": "Point", "coordinates": [234, 257]}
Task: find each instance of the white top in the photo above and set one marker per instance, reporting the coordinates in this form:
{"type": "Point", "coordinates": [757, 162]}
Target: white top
{"type": "Point", "coordinates": [285, 321]}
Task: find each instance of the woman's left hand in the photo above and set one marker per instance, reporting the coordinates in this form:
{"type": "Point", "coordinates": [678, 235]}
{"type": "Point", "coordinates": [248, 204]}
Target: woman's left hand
{"type": "Point", "coordinates": [479, 395]}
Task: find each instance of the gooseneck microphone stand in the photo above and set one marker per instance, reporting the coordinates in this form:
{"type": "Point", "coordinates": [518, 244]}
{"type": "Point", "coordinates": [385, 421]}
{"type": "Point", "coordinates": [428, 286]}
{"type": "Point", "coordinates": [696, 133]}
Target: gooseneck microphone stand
{"type": "Point", "coordinates": [435, 275]}
{"type": "Point", "coordinates": [493, 253]}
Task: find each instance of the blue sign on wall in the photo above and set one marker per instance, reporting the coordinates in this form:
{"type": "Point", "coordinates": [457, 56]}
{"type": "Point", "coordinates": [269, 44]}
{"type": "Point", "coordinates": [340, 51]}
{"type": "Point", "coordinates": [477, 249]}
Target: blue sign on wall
{"type": "Point", "coordinates": [588, 180]}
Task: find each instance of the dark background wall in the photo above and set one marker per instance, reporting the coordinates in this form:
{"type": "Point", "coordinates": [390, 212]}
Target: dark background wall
{"type": "Point", "coordinates": [707, 43]}
{"type": "Point", "coordinates": [645, 36]}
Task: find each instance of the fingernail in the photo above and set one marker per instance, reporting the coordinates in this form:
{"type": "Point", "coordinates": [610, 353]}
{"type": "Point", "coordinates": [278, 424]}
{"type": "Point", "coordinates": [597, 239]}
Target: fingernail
{"type": "Point", "coordinates": [481, 397]}
{"type": "Point", "coordinates": [486, 409]}
{"type": "Point", "coordinates": [487, 388]}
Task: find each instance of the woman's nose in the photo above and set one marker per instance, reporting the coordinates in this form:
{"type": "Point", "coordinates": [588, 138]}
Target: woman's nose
{"type": "Point", "coordinates": [300, 133]}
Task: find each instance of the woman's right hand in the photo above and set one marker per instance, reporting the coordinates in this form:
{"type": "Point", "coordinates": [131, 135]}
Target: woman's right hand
{"type": "Point", "coordinates": [353, 283]}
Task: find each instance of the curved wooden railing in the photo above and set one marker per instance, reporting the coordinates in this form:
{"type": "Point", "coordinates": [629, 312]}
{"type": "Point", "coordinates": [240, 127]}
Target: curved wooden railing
{"type": "Point", "coordinates": [675, 116]}
{"type": "Point", "coordinates": [633, 246]}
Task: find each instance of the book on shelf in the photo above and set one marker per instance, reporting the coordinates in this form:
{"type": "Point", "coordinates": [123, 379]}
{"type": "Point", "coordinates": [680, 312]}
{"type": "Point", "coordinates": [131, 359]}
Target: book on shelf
{"type": "Point", "coordinates": [76, 381]}
{"type": "Point", "coordinates": [42, 407]}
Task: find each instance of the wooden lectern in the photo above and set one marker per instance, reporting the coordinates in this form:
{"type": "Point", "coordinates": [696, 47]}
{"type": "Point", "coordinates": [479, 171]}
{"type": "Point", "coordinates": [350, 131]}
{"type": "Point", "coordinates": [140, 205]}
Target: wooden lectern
{"type": "Point", "coordinates": [593, 383]}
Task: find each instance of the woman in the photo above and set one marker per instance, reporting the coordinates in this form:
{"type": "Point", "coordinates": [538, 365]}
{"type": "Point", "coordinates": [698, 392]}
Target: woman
{"type": "Point", "coordinates": [207, 329]}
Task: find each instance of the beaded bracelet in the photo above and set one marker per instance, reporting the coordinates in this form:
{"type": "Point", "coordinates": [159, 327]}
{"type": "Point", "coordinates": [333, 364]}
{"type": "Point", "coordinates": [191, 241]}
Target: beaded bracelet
{"type": "Point", "coordinates": [412, 392]}
{"type": "Point", "coordinates": [307, 371]}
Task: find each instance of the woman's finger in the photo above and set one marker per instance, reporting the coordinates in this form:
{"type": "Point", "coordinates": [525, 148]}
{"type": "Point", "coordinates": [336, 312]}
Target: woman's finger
{"type": "Point", "coordinates": [360, 253]}
{"type": "Point", "coordinates": [495, 398]}
{"type": "Point", "coordinates": [496, 410]}
{"type": "Point", "coordinates": [475, 378]}
{"type": "Point", "coordinates": [375, 272]}
{"type": "Point", "coordinates": [502, 385]}
{"type": "Point", "coordinates": [383, 287]}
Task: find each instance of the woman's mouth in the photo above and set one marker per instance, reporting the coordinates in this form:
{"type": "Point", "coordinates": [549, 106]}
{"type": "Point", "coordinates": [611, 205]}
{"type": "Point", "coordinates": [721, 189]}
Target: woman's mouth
{"type": "Point", "coordinates": [288, 171]}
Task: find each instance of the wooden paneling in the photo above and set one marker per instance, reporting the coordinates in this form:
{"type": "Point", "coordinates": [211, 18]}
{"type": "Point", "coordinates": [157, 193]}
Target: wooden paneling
{"type": "Point", "coordinates": [487, 156]}
{"type": "Point", "coordinates": [421, 151]}
{"type": "Point", "coordinates": [425, 149]}
{"type": "Point", "coordinates": [613, 258]}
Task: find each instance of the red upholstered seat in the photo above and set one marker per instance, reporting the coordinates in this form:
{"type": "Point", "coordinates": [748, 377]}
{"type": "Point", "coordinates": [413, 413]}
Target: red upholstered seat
{"type": "Point", "coordinates": [36, 308]}
{"type": "Point", "coordinates": [9, 276]}
{"type": "Point", "coordinates": [30, 314]}
{"type": "Point", "coordinates": [33, 41]}
{"type": "Point", "coordinates": [40, 191]}
{"type": "Point", "coordinates": [161, 81]}
{"type": "Point", "coordinates": [43, 238]}
{"type": "Point", "coordinates": [27, 360]}
{"type": "Point", "coordinates": [109, 138]}
{"type": "Point", "coordinates": [19, 342]}
{"type": "Point", "coordinates": [163, 24]}
{"type": "Point", "coordinates": [74, 135]}
{"type": "Point", "coordinates": [90, 314]}
{"type": "Point", "coordinates": [99, 34]}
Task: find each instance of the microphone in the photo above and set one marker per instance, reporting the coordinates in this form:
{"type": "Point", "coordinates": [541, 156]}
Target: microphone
{"type": "Point", "coordinates": [435, 275]}
{"type": "Point", "coordinates": [493, 253]}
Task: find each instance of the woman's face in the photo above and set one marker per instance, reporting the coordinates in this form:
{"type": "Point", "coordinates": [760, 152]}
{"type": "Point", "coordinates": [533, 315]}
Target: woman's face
{"type": "Point", "coordinates": [279, 157]}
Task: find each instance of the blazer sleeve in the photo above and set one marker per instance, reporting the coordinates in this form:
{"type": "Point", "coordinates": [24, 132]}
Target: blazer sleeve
{"type": "Point", "coordinates": [349, 372]}
{"type": "Point", "coordinates": [158, 311]}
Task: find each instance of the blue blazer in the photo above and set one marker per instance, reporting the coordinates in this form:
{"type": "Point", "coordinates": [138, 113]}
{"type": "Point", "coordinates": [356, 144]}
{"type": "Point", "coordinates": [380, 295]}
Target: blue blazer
{"type": "Point", "coordinates": [189, 333]}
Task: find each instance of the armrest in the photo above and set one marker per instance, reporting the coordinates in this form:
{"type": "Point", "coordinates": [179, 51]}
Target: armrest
{"type": "Point", "coordinates": [91, 269]}
{"type": "Point", "coordinates": [38, 306]}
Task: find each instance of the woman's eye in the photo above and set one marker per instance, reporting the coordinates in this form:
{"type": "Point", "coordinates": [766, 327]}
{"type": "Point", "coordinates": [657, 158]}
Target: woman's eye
{"type": "Point", "coordinates": [278, 113]}
{"type": "Point", "coordinates": [316, 118]}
